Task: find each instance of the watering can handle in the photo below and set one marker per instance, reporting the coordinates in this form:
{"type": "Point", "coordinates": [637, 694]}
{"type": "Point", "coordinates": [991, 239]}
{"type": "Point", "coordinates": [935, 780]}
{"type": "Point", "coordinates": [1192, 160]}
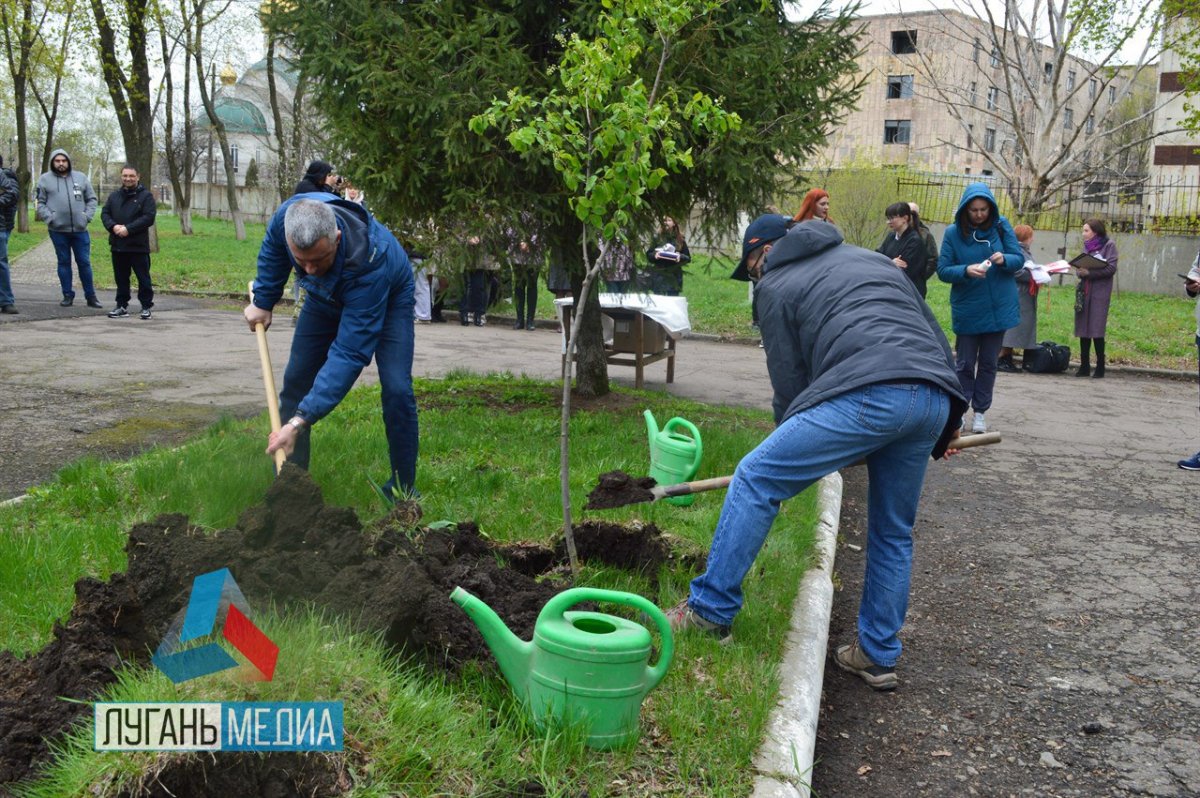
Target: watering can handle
{"type": "Point", "coordinates": [556, 606]}
{"type": "Point", "coordinates": [691, 428]}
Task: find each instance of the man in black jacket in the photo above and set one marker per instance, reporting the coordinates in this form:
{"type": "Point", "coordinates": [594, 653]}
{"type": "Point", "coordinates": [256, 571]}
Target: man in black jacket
{"type": "Point", "coordinates": [128, 216]}
{"type": "Point", "coordinates": [9, 194]}
{"type": "Point", "coordinates": [861, 371]}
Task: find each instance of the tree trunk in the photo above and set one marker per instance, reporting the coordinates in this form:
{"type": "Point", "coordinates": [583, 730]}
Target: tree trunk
{"type": "Point", "coordinates": [174, 168]}
{"type": "Point", "coordinates": [130, 94]}
{"type": "Point", "coordinates": [218, 127]}
{"type": "Point", "coordinates": [284, 169]}
{"type": "Point", "coordinates": [591, 380]}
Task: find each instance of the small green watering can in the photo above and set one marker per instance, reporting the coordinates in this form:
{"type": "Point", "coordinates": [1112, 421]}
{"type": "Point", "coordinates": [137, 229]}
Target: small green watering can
{"type": "Point", "coordinates": [583, 668]}
{"type": "Point", "coordinates": [674, 458]}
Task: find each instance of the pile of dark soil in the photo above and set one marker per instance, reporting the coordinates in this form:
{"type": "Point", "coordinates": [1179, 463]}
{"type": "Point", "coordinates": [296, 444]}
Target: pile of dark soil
{"type": "Point", "coordinates": [617, 489]}
{"type": "Point", "coordinates": [394, 577]}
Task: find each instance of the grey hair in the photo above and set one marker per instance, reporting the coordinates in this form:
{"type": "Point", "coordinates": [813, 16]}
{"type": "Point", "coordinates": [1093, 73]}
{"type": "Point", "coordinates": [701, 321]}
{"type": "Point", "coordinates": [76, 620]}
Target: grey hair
{"type": "Point", "coordinates": [307, 222]}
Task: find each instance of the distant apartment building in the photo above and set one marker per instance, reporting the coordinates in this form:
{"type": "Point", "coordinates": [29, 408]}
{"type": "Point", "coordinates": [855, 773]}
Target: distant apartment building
{"type": "Point", "coordinates": [1175, 158]}
{"type": "Point", "coordinates": [902, 119]}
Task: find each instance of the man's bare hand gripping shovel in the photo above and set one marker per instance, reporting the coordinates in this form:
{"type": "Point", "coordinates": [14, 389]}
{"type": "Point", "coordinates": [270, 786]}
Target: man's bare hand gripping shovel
{"type": "Point", "coordinates": [282, 439]}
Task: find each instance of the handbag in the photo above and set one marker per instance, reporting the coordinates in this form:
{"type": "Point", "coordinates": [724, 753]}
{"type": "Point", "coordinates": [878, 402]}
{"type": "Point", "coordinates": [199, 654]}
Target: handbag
{"type": "Point", "coordinates": [1047, 358]}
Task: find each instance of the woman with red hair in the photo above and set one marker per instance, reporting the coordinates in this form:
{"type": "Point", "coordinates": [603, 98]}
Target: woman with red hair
{"type": "Point", "coordinates": [815, 206]}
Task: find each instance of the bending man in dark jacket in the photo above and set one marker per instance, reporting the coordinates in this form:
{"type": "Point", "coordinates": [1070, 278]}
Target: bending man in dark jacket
{"type": "Point", "coordinates": [360, 305]}
{"type": "Point", "coordinates": [127, 216]}
{"type": "Point", "coordinates": [860, 371]}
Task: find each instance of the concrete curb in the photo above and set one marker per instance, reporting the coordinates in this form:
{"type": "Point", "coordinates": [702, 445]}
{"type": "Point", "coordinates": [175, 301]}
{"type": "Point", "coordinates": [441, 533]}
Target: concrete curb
{"type": "Point", "coordinates": [784, 762]}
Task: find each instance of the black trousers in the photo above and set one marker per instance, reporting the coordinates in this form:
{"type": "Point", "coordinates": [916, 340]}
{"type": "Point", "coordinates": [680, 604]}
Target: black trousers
{"type": "Point", "coordinates": [138, 263]}
{"type": "Point", "coordinates": [525, 286]}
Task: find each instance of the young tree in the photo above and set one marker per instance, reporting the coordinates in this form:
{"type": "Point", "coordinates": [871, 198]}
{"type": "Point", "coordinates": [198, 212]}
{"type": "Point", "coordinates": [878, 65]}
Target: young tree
{"type": "Point", "coordinates": [202, 14]}
{"type": "Point", "coordinates": [1055, 119]}
{"type": "Point", "coordinates": [53, 64]}
{"type": "Point", "coordinates": [403, 111]}
{"type": "Point", "coordinates": [602, 128]}
{"type": "Point", "coordinates": [22, 21]}
{"type": "Point", "coordinates": [179, 149]}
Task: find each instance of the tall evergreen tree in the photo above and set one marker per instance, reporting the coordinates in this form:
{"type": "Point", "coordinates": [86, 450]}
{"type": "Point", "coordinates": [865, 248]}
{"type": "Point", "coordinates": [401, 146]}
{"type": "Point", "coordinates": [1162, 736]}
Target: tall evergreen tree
{"type": "Point", "coordinates": [399, 82]}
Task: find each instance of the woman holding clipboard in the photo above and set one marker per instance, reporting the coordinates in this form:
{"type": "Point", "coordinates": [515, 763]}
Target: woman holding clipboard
{"type": "Point", "coordinates": [1095, 269]}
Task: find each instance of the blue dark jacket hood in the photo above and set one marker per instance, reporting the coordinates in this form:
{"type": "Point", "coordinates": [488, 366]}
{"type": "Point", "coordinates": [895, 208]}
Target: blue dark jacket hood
{"type": "Point", "coordinates": [987, 304]}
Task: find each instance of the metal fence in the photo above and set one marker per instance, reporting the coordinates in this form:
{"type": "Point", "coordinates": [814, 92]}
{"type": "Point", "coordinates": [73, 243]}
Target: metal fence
{"type": "Point", "coordinates": [1127, 205]}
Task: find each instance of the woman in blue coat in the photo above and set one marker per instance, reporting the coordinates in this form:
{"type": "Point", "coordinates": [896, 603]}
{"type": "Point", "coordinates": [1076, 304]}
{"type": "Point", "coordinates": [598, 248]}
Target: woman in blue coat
{"type": "Point", "coordinates": [980, 257]}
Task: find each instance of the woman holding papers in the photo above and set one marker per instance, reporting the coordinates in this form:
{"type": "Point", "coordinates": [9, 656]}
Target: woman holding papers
{"type": "Point", "coordinates": [667, 258]}
{"type": "Point", "coordinates": [1092, 294]}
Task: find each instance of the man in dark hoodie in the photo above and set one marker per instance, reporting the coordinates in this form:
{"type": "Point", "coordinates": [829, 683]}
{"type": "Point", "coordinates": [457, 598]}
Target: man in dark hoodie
{"type": "Point", "coordinates": [360, 305]}
{"type": "Point", "coordinates": [66, 202]}
{"type": "Point", "coordinates": [128, 216]}
{"type": "Point", "coordinates": [860, 371]}
{"type": "Point", "coordinates": [318, 179]}
{"type": "Point", "coordinates": [9, 194]}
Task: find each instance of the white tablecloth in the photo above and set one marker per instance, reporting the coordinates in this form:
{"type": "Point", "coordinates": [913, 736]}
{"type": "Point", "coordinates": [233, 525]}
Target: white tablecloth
{"type": "Point", "coordinates": [669, 311]}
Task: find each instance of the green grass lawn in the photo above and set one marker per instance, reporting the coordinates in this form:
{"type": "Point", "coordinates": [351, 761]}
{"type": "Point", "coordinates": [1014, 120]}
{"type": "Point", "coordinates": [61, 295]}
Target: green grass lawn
{"type": "Point", "coordinates": [1143, 329]}
{"type": "Point", "coordinates": [417, 734]}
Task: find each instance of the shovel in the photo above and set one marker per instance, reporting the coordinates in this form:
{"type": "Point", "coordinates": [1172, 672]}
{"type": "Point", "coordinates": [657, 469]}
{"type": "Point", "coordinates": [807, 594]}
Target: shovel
{"type": "Point", "coordinates": [264, 356]}
{"type": "Point", "coordinates": [638, 495]}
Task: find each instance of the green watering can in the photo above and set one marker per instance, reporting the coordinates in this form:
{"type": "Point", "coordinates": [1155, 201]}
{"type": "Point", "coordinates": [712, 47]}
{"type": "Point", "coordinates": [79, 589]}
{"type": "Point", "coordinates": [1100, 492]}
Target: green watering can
{"type": "Point", "coordinates": [674, 458]}
{"type": "Point", "coordinates": [583, 668]}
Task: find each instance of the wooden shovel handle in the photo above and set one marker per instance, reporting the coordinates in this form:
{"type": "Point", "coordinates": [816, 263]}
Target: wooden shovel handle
{"type": "Point", "coordinates": [264, 357]}
{"type": "Point", "coordinates": [685, 488]}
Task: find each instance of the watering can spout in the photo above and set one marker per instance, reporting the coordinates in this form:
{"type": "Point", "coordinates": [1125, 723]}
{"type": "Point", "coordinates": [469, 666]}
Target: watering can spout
{"type": "Point", "coordinates": [651, 428]}
{"type": "Point", "coordinates": [513, 654]}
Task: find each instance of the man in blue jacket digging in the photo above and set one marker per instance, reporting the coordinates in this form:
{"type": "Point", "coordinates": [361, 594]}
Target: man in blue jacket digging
{"type": "Point", "coordinates": [861, 371]}
{"type": "Point", "coordinates": [359, 305]}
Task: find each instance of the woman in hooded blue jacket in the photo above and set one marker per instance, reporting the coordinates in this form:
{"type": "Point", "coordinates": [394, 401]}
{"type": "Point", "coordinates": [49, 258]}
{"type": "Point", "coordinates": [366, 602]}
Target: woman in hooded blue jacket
{"type": "Point", "coordinates": [980, 257]}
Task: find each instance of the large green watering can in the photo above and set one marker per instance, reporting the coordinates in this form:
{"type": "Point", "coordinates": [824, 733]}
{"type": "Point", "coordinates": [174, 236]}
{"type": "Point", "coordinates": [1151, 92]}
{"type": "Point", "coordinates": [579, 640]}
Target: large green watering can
{"type": "Point", "coordinates": [583, 668]}
{"type": "Point", "coordinates": [674, 457]}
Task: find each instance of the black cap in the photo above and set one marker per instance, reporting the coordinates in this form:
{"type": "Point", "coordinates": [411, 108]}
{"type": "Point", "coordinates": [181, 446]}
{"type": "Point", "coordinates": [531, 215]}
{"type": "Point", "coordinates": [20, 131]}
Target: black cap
{"type": "Point", "coordinates": [763, 230]}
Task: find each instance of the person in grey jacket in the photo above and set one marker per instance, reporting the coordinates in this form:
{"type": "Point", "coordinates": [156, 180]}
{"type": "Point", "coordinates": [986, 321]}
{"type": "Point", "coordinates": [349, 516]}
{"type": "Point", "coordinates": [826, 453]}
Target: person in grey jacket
{"type": "Point", "coordinates": [861, 371]}
{"type": "Point", "coordinates": [66, 202]}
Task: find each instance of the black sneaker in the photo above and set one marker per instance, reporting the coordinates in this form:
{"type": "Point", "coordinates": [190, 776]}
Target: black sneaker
{"type": "Point", "coordinates": [119, 312]}
{"type": "Point", "coordinates": [1006, 364]}
{"type": "Point", "coordinates": [67, 302]}
{"type": "Point", "coordinates": [10, 309]}
{"type": "Point", "coordinates": [682, 617]}
{"type": "Point", "coordinates": [92, 302]}
{"type": "Point", "coordinates": [145, 314]}
{"type": "Point", "coordinates": [852, 660]}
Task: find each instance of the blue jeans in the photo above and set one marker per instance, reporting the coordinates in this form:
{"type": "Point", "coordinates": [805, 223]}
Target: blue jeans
{"type": "Point", "coordinates": [316, 330]}
{"type": "Point", "coordinates": [81, 245]}
{"type": "Point", "coordinates": [894, 426]}
{"type": "Point", "coordinates": [6, 294]}
{"type": "Point", "coordinates": [975, 363]}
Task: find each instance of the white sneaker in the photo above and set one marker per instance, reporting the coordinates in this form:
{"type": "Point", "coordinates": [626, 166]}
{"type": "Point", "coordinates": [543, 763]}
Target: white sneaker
{"type": "Point", "coordinates": [980, 424]}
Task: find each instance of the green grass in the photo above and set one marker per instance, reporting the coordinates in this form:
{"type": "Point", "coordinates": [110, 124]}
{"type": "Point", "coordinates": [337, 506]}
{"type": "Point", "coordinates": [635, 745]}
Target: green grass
{"type": "Point", "coordinates": [506, 480]}
{"type": "Point", "coordinates": [1143, 330]}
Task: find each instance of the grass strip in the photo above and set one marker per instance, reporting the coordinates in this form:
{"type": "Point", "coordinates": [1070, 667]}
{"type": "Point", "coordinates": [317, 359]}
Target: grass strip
{"type": "Point", "coordinates": [489, 454]}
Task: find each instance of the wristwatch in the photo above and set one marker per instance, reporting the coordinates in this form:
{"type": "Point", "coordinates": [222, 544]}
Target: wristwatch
{"type": "Point", "coordinates": [297, 423]}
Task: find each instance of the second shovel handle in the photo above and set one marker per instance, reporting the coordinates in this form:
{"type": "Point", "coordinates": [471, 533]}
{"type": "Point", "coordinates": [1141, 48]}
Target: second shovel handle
{"type": "Point", "coordinates": [699, 486]}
